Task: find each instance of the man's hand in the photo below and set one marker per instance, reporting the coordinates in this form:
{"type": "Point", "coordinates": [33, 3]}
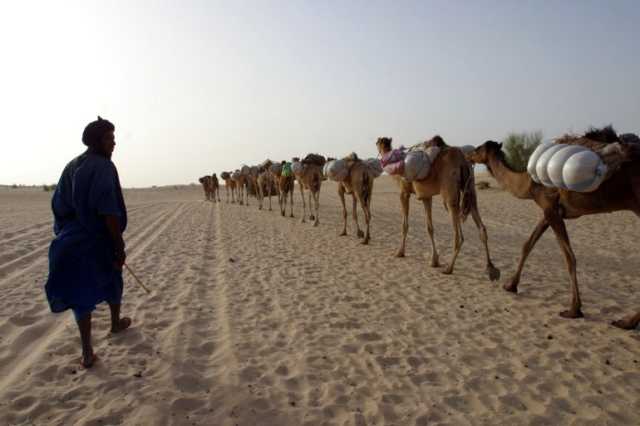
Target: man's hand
{"type": "Point", "coordinates": [113, 226]}
{"type": "Point", "coordinates": [121, 257]}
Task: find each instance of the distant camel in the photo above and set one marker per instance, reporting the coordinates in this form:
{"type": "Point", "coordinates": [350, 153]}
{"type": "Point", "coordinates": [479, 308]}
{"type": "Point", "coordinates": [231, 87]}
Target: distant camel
{"type": "Point", "coordinates": [252, 182]}
{"type": "Point", "coordinates": [205, 181]}
{"type": "Point", "coordinates": [215, 188]}
{"type": "Point", "coordinates": [309, 176]}
{"type": "Point", "coordinates": [285, 184]}
{"type": "Point", "coordinates": [266, 185]}
{"type": "Point", "coordinates": [240, 180]}
{"type": "Point", "coordinates": [450, 176]}
{"type": "Point", "coordinates": [621, 191]}
{"type": "Point", "coordinates": [229, 186]}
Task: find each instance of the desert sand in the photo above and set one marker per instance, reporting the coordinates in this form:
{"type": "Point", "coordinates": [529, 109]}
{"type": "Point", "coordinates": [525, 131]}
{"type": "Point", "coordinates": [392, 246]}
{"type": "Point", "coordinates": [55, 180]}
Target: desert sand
{"type": "Point", "coordinates": [255, 319]}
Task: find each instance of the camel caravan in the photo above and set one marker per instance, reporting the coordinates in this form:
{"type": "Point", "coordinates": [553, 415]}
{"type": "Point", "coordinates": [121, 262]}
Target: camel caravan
{"type": "Point", "coordinates": [572, 176]}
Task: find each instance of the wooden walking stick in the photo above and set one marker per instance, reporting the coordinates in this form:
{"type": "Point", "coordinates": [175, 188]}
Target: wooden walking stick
{"type": "Point", "coordinates": [137, 279]}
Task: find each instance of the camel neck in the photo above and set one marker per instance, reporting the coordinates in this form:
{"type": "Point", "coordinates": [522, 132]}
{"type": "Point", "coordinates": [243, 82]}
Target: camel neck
{"type": "Point", "coordinates": [517, 183]}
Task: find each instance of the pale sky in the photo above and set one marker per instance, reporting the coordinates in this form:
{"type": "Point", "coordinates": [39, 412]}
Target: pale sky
{"type": "Point", "coordinates": [200, 87]}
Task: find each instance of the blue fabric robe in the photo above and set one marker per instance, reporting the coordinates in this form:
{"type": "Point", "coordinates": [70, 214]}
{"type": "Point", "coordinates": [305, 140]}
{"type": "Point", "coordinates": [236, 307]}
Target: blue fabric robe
{"type": "Point", "coordinates": [82, 255]}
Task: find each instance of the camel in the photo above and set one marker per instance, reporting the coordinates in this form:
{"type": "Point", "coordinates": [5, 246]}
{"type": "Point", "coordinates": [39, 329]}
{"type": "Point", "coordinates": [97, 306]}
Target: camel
{"type": "Point", "coordinates": [215, 188]}
{"type": "Point", "coordinates": [205, 181]}
{"type": "Point", "coordinates": [229, 186]}
{"type": "Point", "coordinates": [266, 185]}
{"type": "Point", "coordinates": [620, 192]}
{"type": "Point", "coordinates": [252, 182]}
{"type": "Point", "coordinates": [240, 180]}
{"type": "Point", "coordinates": [359, 184]}
{"type": "Point", "coordinates": [450, 176]}
{"type": "Point", "coordinates": [284, 187]}
{"type": "Point", "coordinates": [309, 176]}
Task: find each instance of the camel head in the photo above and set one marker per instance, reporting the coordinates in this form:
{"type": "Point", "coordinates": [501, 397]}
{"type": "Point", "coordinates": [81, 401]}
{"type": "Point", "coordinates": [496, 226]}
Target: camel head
{"type": "Point", "coordinates": [202, 179]}
{"type": "Point", "coordinates": [384, 144]}
{"type": "Point", "coordinates": [481, 154]}
{"type": "Point", "coordinates": [605, 134]}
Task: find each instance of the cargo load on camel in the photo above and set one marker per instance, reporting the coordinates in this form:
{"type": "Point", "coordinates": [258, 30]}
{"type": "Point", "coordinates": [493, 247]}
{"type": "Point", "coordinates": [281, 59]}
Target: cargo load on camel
{"type": "Point", "coordinates": [338, 169]}
{"type": "Point", "coordinates": [413, 163]}
{"type": "Point", "coordinates": [297, 166]}
{"type": "Point", "coordinates": [581, 163]}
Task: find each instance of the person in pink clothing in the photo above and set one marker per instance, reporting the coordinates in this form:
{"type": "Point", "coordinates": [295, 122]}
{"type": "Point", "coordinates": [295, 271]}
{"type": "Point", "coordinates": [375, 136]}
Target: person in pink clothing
{"type": "Point", "coordinates": [392, 160]}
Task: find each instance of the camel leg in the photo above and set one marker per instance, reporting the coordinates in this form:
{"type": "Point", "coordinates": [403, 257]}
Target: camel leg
{"type": "Point", "coordinates": [458, 237]}
{"type": "Point", "coordinates": [492, 271]}
{"type": "Point", "coordinates": [354, 214]}
{"type": "Point", "coordinates": [291, 198]}
{"type": "Point", "coordinates": [366, 210]}
{"type": "Point", "coordinates": [404, 203]}
{"type": "Point", "coordinates": [628, 323]}
{"type": "Point", "coordinates": [344, 210]}
{"type": "Point", "coordinates": [270, 192]}
{"type": "Point", "coordinates": [541, 227]}
{"type": "Point", "coordinates": [558, 227]}
{"type": "Point", "coordinates": [316, 199]}
{"type": "Point", "coordinates": [304, 204]}
{"type": "Point", "coordinates": [311, 217]}
{"type": "Point", "coordinates": [281, 199]}
{"type": "Point", "coordinates": [435, 258]}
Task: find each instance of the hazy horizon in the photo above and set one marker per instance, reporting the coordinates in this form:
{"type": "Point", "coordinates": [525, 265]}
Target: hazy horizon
{"type": "Point", "coordinates": [200, 87]}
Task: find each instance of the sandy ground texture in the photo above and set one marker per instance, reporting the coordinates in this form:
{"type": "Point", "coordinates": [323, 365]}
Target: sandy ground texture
{"type": "Point", "coordinates": [257, 319]}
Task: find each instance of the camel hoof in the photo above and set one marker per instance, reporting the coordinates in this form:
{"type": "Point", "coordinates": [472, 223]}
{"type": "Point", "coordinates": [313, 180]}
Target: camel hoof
{"type": "Point", "coordinates": [283, 215]}
{"type": "Point", "coordinates": [316, 223]}
{"type": "Point", "coordinates": [511, 286]}
{"type": "Point", "coordinates": [399, 254]}
{"type": "Point", "coordinates": [435, 263]}
{"type": "Point", "coordinates": [343, 234]}
{"type": "Point", "coordinates": [291, 215]}
{"type": "Point", "coordinates": [365, 242]}
{"type": "Point", "coordinates": [360, 233]}
{"type": "Point", "coordinates": [624, 324]}
{"type": "Point", "coordinates": [312, 217]}
{"type": "Point", "coordinates": [448, 270]}
{"type": "Point", "coordinates": [493, 272]}
{"type": "Point", "coordinates": [572, 313]}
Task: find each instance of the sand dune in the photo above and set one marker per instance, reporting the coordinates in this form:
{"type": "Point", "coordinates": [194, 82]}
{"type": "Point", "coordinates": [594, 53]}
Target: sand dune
{"type": "Point", "coordinates": [257, 319]}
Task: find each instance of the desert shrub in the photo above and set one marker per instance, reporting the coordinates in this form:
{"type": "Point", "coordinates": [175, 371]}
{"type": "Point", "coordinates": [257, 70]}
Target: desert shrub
{"type": "Point", "coordinates": [518, 147]}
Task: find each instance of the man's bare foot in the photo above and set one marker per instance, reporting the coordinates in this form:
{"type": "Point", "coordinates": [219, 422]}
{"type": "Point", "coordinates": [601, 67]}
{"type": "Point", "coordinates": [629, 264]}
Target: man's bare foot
{"type": "Point", "coordinates": [124, 323]}
{"type": "Point", "coordinates": [88, 360]}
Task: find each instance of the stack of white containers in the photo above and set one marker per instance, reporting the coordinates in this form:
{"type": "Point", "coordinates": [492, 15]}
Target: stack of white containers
{"type": "Point", "coordinates": [570, 167]}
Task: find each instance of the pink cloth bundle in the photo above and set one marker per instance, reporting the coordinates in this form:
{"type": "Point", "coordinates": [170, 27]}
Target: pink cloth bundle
{"type": "Point", "coordinates": [393, 161]}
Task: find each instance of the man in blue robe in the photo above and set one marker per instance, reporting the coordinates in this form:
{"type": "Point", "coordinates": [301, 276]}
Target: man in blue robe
{"type": "Point", "coordinates": [88, 252]}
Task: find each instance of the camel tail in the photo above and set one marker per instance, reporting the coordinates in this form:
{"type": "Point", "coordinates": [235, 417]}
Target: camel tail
{"type": "Point", "coordinates": [468, 191]}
